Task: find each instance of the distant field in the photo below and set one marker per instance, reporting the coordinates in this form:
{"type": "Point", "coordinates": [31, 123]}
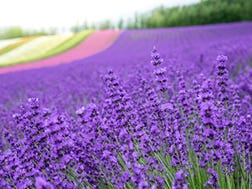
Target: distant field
{"type": "Point", "coordinates": [9, 45]}
{"type": "Point", "coordinates": [6, 42]}
{"type": "Point", "coordinates": [72, 49]}
{"type": "Point", "coordinates": [69, 43]}
{"type": "Point", "coordinates": [27, 50]}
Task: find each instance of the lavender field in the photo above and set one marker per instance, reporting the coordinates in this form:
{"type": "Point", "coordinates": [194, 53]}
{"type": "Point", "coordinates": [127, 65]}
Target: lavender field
{"type": "Point", "coordinates": [160, 108]}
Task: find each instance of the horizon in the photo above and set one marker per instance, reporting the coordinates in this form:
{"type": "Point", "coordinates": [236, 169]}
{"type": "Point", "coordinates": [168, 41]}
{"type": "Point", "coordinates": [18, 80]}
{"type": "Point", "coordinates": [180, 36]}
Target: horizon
{"type": "Point", "coordinates": [47, 14]}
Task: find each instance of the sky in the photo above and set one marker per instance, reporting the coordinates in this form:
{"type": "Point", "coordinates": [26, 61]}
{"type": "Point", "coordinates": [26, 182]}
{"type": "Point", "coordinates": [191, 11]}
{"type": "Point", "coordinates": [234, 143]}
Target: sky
{"type": "Point", "coordinates": [37, 14]}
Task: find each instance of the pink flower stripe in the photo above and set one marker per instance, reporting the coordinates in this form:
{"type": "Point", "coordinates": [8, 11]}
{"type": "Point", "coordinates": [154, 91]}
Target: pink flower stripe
{"type": "Point", "coordinates": [96, 42]}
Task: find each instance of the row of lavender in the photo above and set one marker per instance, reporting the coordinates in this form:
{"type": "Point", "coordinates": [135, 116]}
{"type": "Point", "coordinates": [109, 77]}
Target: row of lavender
{"type": "Point", "coordinates": [191, 49]}
{"type": "Point", "coordinates": [181, 122]}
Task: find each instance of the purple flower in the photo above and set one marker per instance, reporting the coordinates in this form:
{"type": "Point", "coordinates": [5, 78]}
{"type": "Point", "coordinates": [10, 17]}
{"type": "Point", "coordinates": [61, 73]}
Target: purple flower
{"type": "Point", "coordinates": [156, 60]}
{"type": "Point", "coordinates": [80, 111]}
{"type": "Point", "coordinates": [222, 78]}
{"type": "Point", "coordinates": [41, 183]}
{"type": "Point", "coordinates": [212, 181]}
{"type": "Point", "coordinates": [179, 180]}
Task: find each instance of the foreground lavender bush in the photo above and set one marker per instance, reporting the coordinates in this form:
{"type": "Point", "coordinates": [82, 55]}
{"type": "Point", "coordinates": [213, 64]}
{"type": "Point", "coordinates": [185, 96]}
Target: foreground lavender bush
{"type": "Point", "coordinates": [175, 119]}
{"type": "Point", "coordinates": [161, 131]}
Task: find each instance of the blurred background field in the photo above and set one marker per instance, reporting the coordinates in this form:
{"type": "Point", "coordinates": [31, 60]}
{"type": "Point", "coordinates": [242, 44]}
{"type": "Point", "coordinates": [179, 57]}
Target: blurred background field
{"type": "Point", "coordinates": [197, 13]}
{"type": "Point", "coordinates": [40, 47]}
{"type": "Point", "coordinates": [20, 44]}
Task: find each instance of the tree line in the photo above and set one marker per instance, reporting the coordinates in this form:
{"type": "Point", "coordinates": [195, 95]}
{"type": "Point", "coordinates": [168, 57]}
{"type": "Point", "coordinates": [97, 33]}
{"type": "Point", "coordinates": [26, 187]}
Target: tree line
{"type": "Point", "coordinates": [204, 12]}
{"type": "Point", "coordinates": [17, 31]}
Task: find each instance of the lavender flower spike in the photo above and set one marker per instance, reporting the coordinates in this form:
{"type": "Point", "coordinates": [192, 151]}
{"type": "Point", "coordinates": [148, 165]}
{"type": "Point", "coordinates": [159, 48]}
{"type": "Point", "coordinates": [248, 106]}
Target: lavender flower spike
{"type": "Point", "coordinates": [42, 184]}
{"type": "Point", "coordinates": [179, 181]}
{"type": "Point", "coordinates": [212, 181]}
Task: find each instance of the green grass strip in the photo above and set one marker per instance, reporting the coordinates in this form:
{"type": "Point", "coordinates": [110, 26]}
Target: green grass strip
{"type": "Point", "coordinates": [64, 46]}
{"type": "Point", "coordinates": [15, 45]}
{"type": "Point", "coordinates": [69, 43]}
